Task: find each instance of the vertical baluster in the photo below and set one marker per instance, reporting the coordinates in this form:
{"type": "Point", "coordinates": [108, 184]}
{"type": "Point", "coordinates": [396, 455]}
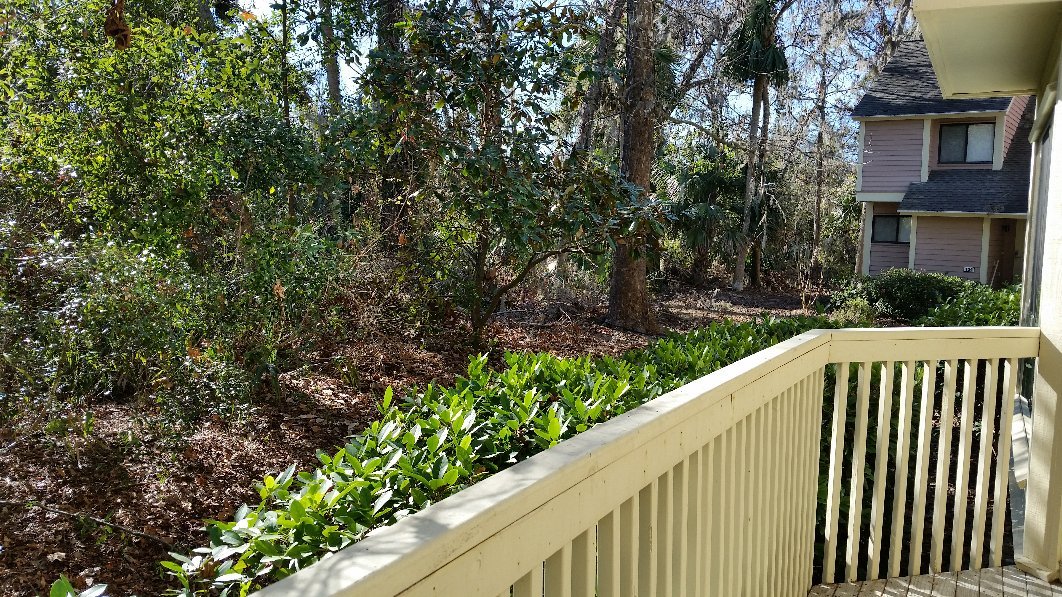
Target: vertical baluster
{"type": "Point", "coordinates": [940, 513]}
{"type": "Point", "coordinates": [745, 508]}
{"type": "Point", "coordinates": [711, 525]}
{"type": "Point", "coordinates": [738, 509]}
{"type": "Point", "coordinates": [530, 584]}
{"type": "Point", "coordinates": [855, 503]}
{"type": "Point", "coordinates": [608, 559]}
{"type": "Point", "coordinates": [774, 475]}
{"type": "Point", "coordinates": [903, 453]}
{"type": "Point", "coordinates": [680, 545]}
{"type": "Point", "coordinates": [881, 448]}
{"type": "Point", "coordinates": [662, 536]}
{"type": "Point", "coordinates": [792, 442]}
{"type": "Point", "coordinates": [584, 564]}
{"type": "Point", "coordinates": [798, 497]}
{"type": "Point", "coordinates": [984, 464]}
{"type": "Point", "coordinates": [1002, 480]}
{"type": "Point", "coordinates": [962, 472]}
{"type": "Point", "coordinates": [647, 540]}
{"type": "Point", "coordinates": [787, 533]}
{"type": "Point", "coordinates": [629, 546]}
{"type": "Point", "coordinates": [811, 489]}
{"type": "Point", "coordinates": [696, 512]}
{"type": "Point", "coordinates": [758, 561]}
{"type": "Point", "coordinates": [716, 480]}
{"type": "Point", "coordinates": [558, 576]}
{"type": "Point", "coordinates": [921, 481]}
{"type": "Point", "coordinates": [833, 488]}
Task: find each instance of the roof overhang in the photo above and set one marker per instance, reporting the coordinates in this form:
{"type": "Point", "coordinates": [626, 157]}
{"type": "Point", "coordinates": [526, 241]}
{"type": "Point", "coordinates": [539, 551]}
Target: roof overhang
{"type": "Point", "coordinates": [968, 114]}
{"type": "Point", "coordinates": [964, 214]}
{"type": "Point", "coordinates": [989, 48]}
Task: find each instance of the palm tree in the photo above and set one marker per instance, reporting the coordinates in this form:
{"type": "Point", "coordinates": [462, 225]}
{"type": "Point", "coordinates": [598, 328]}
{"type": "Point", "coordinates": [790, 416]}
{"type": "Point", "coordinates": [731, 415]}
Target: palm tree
{"type": "Point", "coordinates": [754, 56]}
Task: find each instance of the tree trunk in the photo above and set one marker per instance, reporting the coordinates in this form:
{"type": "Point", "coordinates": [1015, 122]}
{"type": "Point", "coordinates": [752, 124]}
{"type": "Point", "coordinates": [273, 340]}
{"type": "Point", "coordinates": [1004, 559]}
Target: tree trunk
{"type": "Point", "coordinates": [756, 279]}
{"type": "Point", "coordinates": [605, 45]}
{"type": "Point", "coordinates": [815, 271]}
{"type": "Point", "coordinates": [628, 301]}
{"type": "Point", "coordinates": [330, 57]}
{"type": "Point", "coordinates": [751, 177]}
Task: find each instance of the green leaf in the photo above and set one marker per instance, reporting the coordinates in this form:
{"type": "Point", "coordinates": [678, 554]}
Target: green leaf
{"type": "Point", "coordinates": [62, 588]}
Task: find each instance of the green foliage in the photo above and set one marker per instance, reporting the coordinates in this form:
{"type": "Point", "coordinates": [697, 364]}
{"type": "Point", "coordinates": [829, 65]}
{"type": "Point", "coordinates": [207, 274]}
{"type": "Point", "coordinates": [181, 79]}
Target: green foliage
{"type": "Point", "coordinates": [63, 588]}
{"type": "Point", "coordinates": [754, 50]}
{"type": "Point", "coordinates": [902, 294]}
{"type": "Point", "coordinates": [438, 441]}
{"type": "Point", "coordinates": [977, 304]}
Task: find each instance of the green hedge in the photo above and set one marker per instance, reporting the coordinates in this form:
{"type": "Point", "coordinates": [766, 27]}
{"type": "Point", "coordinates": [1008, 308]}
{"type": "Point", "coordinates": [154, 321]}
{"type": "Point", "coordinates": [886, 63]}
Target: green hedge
{"type": "Point", "coordinates": [977, 304]}
{"type": "Point", "coordinates": [900, 294]}
{"type": "Point", "coordinates": [432, 444]}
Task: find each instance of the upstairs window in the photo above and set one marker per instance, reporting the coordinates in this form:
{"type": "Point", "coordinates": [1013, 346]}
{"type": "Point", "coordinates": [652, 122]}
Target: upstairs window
{"type": "Point", "coordinates": [966, 143]}
{"type": "Point", "coordinates": [891, 229]}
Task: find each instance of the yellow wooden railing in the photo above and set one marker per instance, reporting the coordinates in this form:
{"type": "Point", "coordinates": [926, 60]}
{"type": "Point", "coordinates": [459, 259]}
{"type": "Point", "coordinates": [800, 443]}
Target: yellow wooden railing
{"type": "Point", "coordinates": [712, 489]}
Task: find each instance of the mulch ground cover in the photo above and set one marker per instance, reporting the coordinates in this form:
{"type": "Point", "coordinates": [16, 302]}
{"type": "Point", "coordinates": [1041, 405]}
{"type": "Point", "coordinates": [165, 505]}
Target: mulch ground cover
{"type": "Point", "coordinates": [106, 499]}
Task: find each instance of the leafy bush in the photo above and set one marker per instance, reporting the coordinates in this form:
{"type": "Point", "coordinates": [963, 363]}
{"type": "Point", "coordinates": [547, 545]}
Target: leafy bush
{"type": "Point", "coordinates": [977, 305]}
{"type": "Point", "coordinates": [902, 294]}
{"type": "Point", "coordinates": [855, 311]}
{"type": "Point", "coordinates": [98, 319]}
{"type": "Point", "coordinates": [436, 442]}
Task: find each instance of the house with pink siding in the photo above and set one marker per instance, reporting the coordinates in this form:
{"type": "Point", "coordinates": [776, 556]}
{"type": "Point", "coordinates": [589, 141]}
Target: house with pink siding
{"type": "Point", "coordinates": [944, 182]}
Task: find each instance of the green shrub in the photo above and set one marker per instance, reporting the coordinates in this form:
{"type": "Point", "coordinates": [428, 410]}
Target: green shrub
{"type": "Point", "coordinates": [855, 311]}
{"type": "Point", "coordinates": [902, 294]}
{"type": "Point", "coordinates": [101, 319]}
{"type": "Point", "coordinates": [977, 305]}
{"type": "Point", "coordinates": [436, 442]}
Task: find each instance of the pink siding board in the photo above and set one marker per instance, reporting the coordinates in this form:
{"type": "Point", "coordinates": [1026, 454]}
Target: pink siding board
{"type": "Point", "coordinates": [1010, 125]}
{"type": "Point", "coordinates": [885, 256]}
{"type": "Point", "coordinates": [892, 155]}
{"type": "Point", "coordinates": [948, 245]}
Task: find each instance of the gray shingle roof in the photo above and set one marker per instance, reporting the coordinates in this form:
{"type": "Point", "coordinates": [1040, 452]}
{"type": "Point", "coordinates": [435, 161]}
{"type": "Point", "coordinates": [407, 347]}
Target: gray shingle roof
{"type": "Point", "coordinates": [1004, 191]}
{"type": "Point", "coordinates": [907, 86]}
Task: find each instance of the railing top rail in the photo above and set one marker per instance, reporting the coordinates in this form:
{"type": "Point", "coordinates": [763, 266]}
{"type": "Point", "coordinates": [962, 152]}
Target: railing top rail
{"type": "Point", "coordinates": [395, 558]}
{"type": "Point", "coordinates": [924, 344]}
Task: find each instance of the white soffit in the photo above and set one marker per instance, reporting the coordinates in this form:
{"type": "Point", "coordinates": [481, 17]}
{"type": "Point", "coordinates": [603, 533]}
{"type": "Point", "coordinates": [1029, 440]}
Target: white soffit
{"type": "Point", "coordinates": [986, 48]}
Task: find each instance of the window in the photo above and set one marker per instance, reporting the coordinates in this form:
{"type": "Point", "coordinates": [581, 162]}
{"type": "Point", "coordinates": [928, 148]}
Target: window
{"type": "Point", "coordinates": [966, 143]}
{"type": "Point", "coordinates": [891, 229]}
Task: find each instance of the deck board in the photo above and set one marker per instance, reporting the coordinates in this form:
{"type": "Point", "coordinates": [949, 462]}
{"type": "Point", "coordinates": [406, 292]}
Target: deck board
{"type": "Point", "coordinates": [1007, 581]}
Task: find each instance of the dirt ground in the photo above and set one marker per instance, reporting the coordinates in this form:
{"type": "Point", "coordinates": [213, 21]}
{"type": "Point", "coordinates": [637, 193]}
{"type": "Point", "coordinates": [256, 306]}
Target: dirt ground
{"type": "Point", "coordinates": [105, 501]}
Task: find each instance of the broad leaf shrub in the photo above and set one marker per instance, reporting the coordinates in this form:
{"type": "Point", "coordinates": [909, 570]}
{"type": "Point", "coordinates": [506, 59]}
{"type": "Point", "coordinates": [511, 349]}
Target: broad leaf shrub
{"type": "Point", "coordinates": [433, 443]}
{"type": "Point", "coordinates": [977, 305]}
{"type": "Point", "coordinates": [899, 294]}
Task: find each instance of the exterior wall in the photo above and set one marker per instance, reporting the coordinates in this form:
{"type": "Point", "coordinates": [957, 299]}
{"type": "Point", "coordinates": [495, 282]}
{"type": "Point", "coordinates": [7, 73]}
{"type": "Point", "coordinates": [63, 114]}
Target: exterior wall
{"type": "Point", "coordinates": [884, 256]}
{"type": "Point", "coordinates": [948, 245]}
{"type": "Point", "coordinates": [1019, 250]}
{"type": "Point", "coordinates": [934, 143]}
{"type": "Point", "coordinates": [1001, 252]}
{"type": "Point", "coordinates": [892, 155]}
{"type": "Point", "coordinates": [1017, 106]}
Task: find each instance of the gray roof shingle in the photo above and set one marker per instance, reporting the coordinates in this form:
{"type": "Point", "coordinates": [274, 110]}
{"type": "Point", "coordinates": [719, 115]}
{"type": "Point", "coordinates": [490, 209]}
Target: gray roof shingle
{"type": "Point", "coordinates": [1004, 191]}
{"type": "Point", "coordinates": [908, 86]}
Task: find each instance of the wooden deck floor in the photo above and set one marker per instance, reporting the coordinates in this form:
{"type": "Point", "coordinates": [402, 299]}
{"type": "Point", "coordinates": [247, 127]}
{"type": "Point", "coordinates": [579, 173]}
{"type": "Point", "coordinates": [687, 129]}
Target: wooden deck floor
{"type": "Point", "coordinates": [1006, 581]}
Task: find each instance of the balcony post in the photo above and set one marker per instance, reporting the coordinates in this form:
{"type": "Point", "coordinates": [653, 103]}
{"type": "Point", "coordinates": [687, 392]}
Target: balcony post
{"type": "Point", "coordinates": [1043, 515]}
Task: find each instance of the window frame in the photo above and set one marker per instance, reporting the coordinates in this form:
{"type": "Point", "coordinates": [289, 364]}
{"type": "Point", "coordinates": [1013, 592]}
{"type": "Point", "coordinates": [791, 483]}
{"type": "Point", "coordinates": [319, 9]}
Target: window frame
{"type": "Point", "coordinates": [896, 218]}
{"type": "Point", "coordinates": [965, 142]}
